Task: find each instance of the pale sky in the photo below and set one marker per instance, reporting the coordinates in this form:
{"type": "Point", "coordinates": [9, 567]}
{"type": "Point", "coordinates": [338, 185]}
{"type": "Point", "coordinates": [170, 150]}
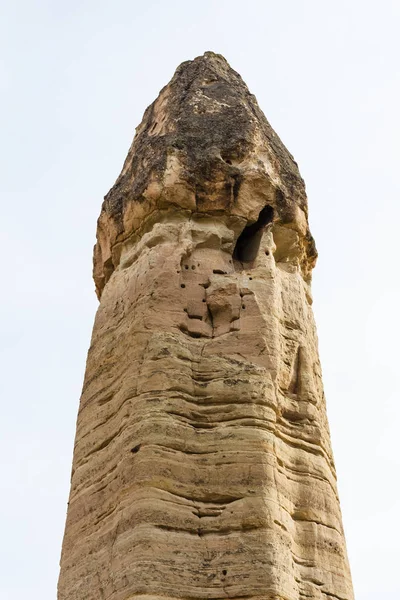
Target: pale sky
{"type": "Point", "coordinates": [75, 79]}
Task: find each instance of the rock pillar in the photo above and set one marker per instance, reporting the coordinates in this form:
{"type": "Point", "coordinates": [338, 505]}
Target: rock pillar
{"type": "Point", "coordinates": [202, 464]}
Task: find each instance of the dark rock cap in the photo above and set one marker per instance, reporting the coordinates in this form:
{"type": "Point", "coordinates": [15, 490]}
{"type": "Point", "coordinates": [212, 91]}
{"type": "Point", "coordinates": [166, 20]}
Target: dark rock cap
{"type": "Point", "coordinates": [205, 147]}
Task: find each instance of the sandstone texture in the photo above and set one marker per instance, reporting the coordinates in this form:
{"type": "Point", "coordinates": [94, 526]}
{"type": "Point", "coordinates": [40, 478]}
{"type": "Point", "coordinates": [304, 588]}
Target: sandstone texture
{"type": "Point", "coordinates": [202, 464]}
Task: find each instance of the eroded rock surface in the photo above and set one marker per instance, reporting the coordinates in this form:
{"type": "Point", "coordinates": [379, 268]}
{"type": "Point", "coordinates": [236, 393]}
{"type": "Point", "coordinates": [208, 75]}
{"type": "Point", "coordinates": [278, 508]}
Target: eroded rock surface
{"type": "Point", "coordinates": [202, 464]}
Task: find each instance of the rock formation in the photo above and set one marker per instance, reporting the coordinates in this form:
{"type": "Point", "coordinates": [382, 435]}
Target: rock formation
{"type": "Point", "coordinates": [202, 464]}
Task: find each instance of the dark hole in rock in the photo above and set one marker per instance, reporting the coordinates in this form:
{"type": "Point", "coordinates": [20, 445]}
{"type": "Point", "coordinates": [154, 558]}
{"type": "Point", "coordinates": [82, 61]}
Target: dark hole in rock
{"type": "Point", "coordinates": [224, 571]}
{"type": "Point", "coordinates": [248, 242]}
{"type": "Point", "coordinates": [135, 449]}
{"type": "Point", "coordinates": [229, 156]}
{"type": "Point", "coordinates": [183, 285]}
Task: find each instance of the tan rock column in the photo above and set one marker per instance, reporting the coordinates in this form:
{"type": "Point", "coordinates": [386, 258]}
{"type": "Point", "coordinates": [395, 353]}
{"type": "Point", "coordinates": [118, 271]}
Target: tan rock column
{"type": "Point", "coordinates": [202, 464]}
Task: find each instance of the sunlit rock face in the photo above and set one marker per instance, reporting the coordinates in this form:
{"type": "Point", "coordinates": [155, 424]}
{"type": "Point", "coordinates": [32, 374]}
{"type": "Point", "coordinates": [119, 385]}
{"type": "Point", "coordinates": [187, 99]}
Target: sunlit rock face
{"type": "Point", "coordinates": [202, 465]}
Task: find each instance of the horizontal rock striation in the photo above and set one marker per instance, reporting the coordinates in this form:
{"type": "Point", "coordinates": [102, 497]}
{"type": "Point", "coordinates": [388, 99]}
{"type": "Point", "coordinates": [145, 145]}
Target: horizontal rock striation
{"type": "Point", "coordinates": [202, 464]}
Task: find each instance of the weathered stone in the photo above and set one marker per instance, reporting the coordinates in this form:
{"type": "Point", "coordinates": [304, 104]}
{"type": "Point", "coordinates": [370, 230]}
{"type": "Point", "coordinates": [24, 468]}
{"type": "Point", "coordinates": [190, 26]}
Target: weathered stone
{"type": "Point", "coordinates": [202, 464]}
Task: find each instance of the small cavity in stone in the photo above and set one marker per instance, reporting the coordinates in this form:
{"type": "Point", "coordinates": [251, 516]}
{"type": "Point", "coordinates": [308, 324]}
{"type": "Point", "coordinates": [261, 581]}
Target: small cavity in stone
{"type": "Point", "coordinates": [248, 242]}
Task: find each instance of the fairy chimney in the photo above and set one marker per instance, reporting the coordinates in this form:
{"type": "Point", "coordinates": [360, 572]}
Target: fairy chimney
{"type": "Point", "coordinates": [202, 464]}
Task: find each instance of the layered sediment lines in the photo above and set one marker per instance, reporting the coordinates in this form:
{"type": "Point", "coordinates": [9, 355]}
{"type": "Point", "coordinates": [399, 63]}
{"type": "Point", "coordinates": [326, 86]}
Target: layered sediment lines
{"type": "Point", "coordinates": [202, 463]}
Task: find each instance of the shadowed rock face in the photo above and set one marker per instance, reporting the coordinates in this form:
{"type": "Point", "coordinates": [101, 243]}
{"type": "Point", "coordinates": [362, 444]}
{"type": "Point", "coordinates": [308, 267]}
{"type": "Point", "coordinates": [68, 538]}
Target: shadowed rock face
{"type": "Point", "coordinates": [202, 463]}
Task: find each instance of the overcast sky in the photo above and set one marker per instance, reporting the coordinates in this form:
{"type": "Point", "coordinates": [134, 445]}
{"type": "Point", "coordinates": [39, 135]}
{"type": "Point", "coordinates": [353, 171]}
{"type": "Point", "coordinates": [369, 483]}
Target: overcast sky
{"type": "Point", "coordinates": [75, 78]}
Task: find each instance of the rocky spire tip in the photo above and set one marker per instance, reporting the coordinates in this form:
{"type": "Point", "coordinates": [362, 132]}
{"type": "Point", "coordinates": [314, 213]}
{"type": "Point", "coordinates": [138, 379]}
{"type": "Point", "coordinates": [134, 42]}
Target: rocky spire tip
{"type": "Point", "coordinates": [204, 147]}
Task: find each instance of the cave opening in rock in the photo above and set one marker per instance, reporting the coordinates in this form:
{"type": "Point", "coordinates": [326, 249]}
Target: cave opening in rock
{"type": "Point", "coordinates": [248, 242]}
